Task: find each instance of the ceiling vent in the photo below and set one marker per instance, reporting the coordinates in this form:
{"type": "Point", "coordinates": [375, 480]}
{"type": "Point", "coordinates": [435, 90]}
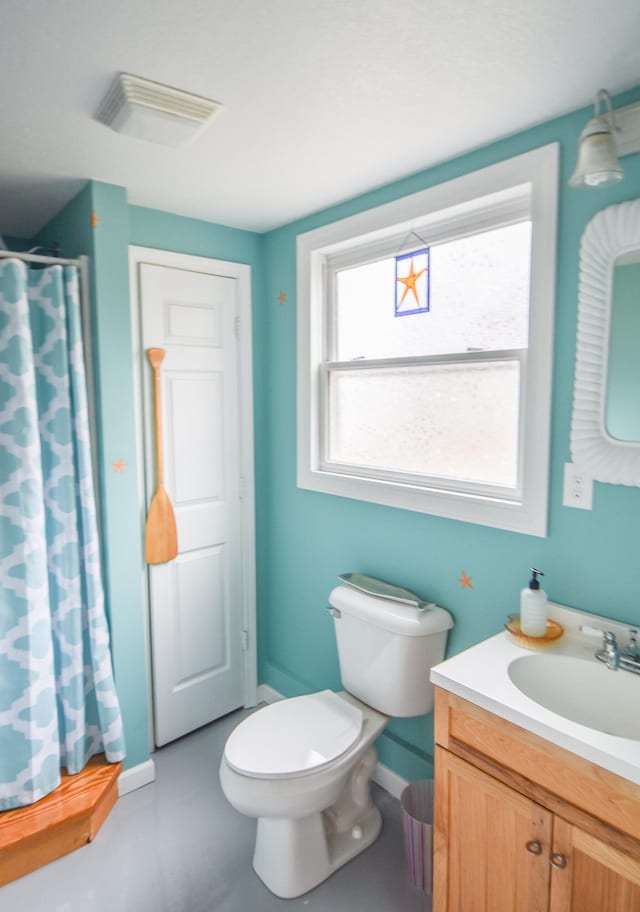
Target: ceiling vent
{"type": "Point", "coordinates": [155, 112]}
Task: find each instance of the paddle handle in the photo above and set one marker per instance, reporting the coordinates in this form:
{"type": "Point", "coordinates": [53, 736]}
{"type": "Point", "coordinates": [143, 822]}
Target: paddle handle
{"type": "Point", "coordinates": [156, 356]}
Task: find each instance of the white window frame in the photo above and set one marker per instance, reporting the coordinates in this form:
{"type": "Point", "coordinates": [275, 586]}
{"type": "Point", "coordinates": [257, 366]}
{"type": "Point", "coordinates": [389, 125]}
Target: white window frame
{"type": "Point", "coordinates": [498, 194]}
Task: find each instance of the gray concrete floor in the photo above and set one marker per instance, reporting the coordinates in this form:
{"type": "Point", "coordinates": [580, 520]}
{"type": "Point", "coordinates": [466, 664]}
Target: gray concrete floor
{"type": "Point", "coordinates": [177, 846]}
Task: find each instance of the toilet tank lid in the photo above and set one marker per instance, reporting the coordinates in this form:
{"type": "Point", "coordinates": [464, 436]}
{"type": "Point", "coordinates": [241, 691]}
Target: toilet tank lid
{"type": "Point", "coordinates": [391, 615]}
{"type": "Point", "coordinates": [294, 736]}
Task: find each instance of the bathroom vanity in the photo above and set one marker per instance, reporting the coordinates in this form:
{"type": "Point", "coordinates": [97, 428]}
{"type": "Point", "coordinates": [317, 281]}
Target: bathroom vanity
{"type": "Point", "coordinates": [537, 812]}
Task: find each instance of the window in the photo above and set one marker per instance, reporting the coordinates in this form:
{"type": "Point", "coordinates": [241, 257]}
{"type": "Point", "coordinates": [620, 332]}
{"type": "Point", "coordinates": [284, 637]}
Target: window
{"type": "Point", "coordinates": [424, 348]}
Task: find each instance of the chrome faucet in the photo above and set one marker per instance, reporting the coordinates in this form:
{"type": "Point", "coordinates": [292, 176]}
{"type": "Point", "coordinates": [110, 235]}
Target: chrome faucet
{"type": "Point", "coordinates": [611, 654]}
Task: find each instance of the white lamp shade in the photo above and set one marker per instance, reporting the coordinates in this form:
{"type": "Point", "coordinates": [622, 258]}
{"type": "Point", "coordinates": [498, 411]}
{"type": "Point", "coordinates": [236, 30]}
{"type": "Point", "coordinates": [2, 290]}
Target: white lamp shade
{"type": "Point", "coordinates": [598, 163]}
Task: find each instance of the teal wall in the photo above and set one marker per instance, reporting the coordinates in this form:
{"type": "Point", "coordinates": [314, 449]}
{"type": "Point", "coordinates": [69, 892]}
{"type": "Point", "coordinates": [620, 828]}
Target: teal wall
{"type": "Point", "coordinates": [304, 539]}
{"type": "Point", "coordinates": [590, 558]}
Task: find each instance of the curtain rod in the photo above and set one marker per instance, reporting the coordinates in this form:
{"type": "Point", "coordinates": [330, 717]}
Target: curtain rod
{"type": "Point", "coordinates": [35, 258]}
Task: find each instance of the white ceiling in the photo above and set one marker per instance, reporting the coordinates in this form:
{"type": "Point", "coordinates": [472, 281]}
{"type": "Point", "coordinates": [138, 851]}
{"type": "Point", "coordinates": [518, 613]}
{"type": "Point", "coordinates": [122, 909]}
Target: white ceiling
{"type": "Point", "coordinates": [324, 99]}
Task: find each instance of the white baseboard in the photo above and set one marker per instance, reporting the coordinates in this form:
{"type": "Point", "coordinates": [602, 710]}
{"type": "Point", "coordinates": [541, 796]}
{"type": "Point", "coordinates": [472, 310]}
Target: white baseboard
{"type": "Point", "coordinates": [388, 780]}
{"type": "Point", "coordinates": [383, 776]}
{"type": "Point", "coordinates": [267, 694]}
{"type": "Point", "coordinates": [136, 777]}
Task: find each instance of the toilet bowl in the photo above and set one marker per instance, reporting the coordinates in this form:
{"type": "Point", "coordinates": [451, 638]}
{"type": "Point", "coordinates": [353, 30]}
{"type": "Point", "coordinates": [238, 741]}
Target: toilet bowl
{"type": "Point", "coordinates": [303, 766]}
{"type": "Point", "coordinates": [313, 805]}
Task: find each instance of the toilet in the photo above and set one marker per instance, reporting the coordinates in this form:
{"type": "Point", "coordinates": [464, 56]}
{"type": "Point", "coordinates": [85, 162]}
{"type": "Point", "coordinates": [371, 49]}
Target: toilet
{"type": "Point", "coordinates": [302, 766]}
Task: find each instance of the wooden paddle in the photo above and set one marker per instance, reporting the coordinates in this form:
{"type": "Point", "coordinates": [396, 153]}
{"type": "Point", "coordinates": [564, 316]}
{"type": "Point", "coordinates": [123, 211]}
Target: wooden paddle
{"type": "Point", "coordinates": [161, 542]}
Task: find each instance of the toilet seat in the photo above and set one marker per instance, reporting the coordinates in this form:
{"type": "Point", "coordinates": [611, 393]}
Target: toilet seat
{"type": "Point", "coordinates": [294, 736]}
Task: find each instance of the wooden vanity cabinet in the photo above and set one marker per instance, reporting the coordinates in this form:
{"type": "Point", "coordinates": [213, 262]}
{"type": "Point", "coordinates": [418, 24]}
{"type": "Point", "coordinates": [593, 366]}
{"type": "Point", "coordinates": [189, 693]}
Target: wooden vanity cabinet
{"type": "Point", "coordinates": [524, 826]}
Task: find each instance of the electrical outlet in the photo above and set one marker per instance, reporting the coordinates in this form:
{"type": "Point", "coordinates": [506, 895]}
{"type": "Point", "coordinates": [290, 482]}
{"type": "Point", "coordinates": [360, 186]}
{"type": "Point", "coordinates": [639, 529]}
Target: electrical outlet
{"type": "Point", "coordinates": [578, 488]}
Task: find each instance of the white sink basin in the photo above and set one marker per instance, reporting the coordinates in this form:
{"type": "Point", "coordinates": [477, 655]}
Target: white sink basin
{"type": "Point", "coordinates": [563, 694]}
{"type": "Point", "coordinates": [582, 690]}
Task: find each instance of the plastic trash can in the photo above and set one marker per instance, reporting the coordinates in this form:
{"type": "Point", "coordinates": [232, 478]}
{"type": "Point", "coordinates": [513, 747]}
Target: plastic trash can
{"type": "Point", "coordinates": [417, 821]}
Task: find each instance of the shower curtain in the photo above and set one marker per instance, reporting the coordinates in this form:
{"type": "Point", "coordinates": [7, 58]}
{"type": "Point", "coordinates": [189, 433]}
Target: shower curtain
{"type": "Point", "coordinates": [58, 704]}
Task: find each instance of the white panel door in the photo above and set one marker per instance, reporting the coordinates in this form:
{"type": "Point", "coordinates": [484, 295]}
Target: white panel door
{"type": "Point", "coordinates": [195, 600]}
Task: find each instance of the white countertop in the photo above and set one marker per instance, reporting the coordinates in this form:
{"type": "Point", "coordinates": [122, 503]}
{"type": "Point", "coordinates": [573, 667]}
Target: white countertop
{"type": "Point", "coordinates": [480, 675]}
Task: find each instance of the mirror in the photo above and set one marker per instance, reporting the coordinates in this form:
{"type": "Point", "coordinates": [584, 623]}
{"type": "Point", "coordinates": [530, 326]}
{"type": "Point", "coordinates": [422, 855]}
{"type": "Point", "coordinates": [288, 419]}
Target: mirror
{"type": "Point", "coordinates": [605, 426]}
{"type": "Point", "coordinates": [622, 409]}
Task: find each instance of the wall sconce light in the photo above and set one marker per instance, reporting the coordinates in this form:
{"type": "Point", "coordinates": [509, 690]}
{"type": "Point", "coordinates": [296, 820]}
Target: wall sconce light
{"type": "Point", "coordinates": [598, 164]}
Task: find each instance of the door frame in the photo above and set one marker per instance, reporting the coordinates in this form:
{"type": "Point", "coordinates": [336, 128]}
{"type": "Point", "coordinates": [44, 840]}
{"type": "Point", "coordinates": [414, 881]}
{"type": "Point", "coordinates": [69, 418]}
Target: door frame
{"type": "Point", "coordinates": [241, 272]}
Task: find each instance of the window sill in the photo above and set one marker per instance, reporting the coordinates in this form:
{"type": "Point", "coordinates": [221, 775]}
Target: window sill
{"type": "Point", "coordinates": [510, 515]}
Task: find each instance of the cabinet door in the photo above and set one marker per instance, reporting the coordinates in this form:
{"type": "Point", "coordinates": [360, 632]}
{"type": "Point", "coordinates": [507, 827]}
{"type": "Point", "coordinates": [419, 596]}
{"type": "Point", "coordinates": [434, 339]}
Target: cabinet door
{"type": "Point", "coordinates": [597, 878]}
{"type": "Point", "coordinates": [491, 844]}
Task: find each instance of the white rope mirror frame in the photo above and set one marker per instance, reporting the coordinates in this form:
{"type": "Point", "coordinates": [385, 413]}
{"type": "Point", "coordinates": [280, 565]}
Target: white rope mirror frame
{"type": "Point", "coordinates": [610, 234]}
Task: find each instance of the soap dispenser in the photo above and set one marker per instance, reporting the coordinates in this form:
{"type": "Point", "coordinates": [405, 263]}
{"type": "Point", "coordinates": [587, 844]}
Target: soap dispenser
{"type": "Point", "coordinates": [533, 607]}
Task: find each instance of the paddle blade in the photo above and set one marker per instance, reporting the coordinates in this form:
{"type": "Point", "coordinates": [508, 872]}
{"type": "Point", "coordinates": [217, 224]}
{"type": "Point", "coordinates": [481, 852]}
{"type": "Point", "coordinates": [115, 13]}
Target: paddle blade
{"type": "Point", "coordinates": [161, 541]}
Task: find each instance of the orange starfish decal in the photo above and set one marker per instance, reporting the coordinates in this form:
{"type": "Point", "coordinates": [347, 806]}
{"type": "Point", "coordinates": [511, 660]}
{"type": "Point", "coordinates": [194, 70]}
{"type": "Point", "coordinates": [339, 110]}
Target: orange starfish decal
{"type": "Point", "coordinates": [465, 580]}
{"type": "Point", "coordinates": [409, 282]}
{"type": "Point", "coordinates": [94, 219]}
{"type": "Point", "coordinates": [282, 297]}
{"type": "Point", "coordinates": [119, 466]}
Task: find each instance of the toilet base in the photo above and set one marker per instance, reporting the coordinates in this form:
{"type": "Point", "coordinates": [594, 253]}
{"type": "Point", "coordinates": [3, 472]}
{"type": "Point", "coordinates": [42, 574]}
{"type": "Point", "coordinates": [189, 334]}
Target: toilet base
{"type": "Point", "coordinates": [294, 855]}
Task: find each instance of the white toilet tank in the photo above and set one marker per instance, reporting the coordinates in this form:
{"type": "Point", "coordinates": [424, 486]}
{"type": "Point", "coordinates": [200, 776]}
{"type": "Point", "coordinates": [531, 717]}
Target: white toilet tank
{"type": "Point", "coordinates": [386, 650]}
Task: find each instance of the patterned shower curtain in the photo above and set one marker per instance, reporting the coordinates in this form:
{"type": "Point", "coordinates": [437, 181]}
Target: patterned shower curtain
{"type": "Point", "coordinates": [58, 705]}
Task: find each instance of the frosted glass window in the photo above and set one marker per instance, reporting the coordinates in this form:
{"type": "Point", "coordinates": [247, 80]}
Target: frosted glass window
{"type": "Point", "coordinates": [454, 421]}
{"type": "Point", "coordinates": [479, 300]}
